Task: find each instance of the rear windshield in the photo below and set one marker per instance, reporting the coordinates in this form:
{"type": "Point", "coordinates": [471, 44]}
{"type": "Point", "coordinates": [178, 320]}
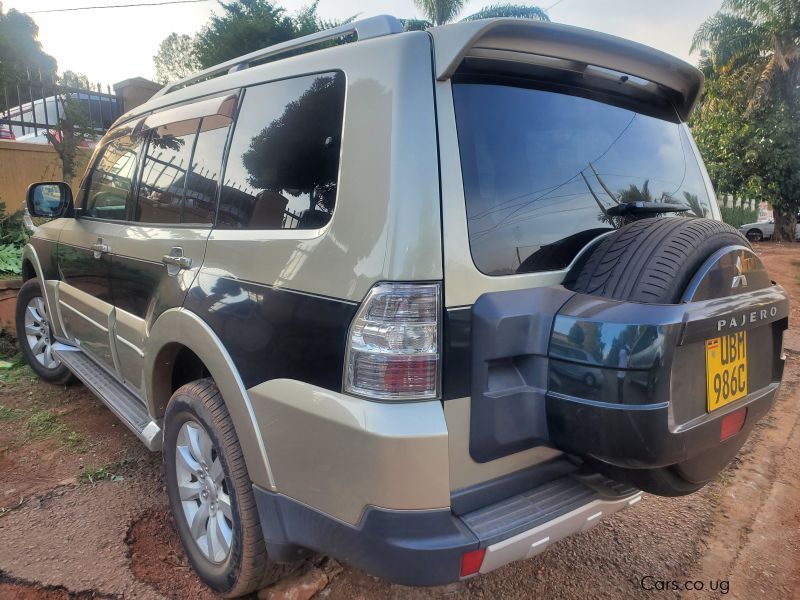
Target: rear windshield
{"type": "Point", "coordinates": [537, 166]}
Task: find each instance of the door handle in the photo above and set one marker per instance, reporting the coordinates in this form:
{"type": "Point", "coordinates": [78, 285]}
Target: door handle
{"type": "Point", "coordinates": [176, 261]}
{"type": "Point", "coordinates": [182, 262]}
{"type": "Point", "coordinates": [99, 248]}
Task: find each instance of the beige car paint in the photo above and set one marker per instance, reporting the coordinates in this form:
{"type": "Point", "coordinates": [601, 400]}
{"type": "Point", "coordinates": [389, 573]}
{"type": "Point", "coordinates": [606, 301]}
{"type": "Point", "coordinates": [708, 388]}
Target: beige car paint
{"type": "Point", "coordinates": [386, 223]}
{"type": "Point", "coordinates": [340, 454]}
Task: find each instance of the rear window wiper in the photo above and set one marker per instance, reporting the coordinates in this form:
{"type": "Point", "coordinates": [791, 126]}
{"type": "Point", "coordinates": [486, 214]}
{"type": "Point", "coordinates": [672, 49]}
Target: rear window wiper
{"type": "Point", "coordinates": [644, 208]}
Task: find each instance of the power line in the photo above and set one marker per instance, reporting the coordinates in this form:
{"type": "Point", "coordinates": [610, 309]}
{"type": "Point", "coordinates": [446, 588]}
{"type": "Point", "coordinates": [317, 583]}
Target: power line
{"type": "Point", "coordinates": [553, 5]}
{"type": "Point", "coordinates": [57, 10]}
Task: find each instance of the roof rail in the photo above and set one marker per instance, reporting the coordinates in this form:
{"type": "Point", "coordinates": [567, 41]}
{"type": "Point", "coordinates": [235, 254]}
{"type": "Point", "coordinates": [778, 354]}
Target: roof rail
{"type": "Point", "coordinates": [364, 29]}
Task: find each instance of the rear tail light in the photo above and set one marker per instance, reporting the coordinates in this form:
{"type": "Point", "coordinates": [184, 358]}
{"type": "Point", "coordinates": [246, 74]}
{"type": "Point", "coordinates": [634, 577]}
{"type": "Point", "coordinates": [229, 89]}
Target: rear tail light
{"type": "Point", "coordinates": [393, 346]}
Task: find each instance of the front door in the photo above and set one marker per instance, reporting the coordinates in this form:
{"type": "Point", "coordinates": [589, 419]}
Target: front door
{"type": "Point", "coordinates": [85, 297]}
{"type": "Point", "coordinates": [84, 290]}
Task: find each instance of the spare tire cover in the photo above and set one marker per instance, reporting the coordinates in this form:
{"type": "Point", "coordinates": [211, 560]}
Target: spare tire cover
{"type": "Point", "coordinates": [653, 261]}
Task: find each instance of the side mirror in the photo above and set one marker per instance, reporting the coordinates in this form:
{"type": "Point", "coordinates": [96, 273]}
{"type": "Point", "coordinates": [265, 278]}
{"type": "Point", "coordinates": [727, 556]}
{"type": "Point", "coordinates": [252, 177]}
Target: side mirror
{"type": "Point", "coordinates": [49, 199]}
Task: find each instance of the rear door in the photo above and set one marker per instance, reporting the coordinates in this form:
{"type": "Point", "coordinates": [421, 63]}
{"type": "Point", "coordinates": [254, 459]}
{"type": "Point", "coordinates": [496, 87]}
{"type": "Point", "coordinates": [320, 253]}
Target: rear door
{"type": "Point", "coordinates": [84, 250]}
{"type": "Point", "coordinates": [528, 170]}
{"type": "Point", "coordinates": [159, 250]}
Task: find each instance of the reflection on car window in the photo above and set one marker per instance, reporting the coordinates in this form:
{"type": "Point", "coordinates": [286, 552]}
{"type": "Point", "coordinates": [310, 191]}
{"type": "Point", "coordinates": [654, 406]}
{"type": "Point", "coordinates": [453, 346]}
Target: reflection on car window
{"type": "Point", "coordinates": [110, 183]}
{"type": "Point", "coordinates": [199, 204]}
{"type": "Point", "coordinates": [540, 168]}
{"type": "Point", "coordinates": [283, 165]}
{"type": "Point", "coordinates": [169, 149]}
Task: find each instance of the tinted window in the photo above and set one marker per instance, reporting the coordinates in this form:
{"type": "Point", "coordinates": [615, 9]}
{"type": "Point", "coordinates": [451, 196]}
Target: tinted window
{"type": "Point", "coordinates": [283, 164]}
{"type": "Point", "coordinates": [540, 167]}
{"type": "Point", "coordinates": [169, 149]}
{"type": "Point", "coordinates": [199, 204]}
{"type": "Point", "coordinates": [110, 183]}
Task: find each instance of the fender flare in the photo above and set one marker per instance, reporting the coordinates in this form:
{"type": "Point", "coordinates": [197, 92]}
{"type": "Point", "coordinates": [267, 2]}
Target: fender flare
{"type": "Point", "coordinates": [178, 327]}
{"type": "Point", "coordinates": [29, 253]}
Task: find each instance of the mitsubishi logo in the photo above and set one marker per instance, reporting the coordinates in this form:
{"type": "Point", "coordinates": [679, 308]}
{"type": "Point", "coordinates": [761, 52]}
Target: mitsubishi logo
{"type": "Point", "coordinates": [739, 280]}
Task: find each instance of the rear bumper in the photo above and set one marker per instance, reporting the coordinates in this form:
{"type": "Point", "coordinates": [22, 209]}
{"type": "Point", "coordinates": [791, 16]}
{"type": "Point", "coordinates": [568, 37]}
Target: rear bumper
{"type": "Point", "coordinates": [425, 547]}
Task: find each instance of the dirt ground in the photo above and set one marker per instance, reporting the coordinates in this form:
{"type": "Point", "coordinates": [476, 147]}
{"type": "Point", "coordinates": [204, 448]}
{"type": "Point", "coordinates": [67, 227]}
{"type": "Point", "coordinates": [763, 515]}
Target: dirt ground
{"type": "Point", "coordinates": [83, 513]}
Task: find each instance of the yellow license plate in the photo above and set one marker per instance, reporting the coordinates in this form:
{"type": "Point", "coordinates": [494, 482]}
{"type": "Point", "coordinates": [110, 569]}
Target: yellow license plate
{"type": "Point", "coordinates": [726, 369]}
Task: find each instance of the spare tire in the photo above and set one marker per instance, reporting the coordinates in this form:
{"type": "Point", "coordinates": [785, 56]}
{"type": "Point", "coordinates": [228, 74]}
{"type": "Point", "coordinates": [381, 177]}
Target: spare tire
{"type": "Point", "coordinates": [653, 261]}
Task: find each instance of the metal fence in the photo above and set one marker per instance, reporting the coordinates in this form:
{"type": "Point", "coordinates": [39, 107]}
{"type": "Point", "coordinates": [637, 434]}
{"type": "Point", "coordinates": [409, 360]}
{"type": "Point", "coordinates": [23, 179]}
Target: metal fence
{"type": "Point", "coordinates": [32, 104]}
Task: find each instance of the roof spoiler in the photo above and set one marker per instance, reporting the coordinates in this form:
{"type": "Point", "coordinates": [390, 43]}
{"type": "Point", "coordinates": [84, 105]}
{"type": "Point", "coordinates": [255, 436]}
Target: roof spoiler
{"type": "Point", "coordinates": [524, 40]}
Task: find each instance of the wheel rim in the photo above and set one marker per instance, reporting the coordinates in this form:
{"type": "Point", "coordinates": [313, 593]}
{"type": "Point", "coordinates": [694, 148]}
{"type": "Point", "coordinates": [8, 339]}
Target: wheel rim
{"type": "Point", "coordinates": [37, 333]}
{"type": "Point", "coordinates": [203, 492]}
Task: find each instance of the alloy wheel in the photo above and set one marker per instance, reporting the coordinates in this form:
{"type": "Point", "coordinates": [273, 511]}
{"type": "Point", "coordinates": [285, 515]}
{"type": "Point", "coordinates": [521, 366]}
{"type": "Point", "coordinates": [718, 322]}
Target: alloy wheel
{"type": "Point", "coordinates": [37, 333]}
{"type": "Point", "coordinates": [204, 492]}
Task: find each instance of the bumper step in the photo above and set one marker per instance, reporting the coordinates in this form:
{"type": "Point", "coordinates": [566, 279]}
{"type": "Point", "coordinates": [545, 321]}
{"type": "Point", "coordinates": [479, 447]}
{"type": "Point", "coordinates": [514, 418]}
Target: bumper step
{"type": "Point", "coordinates": [122, 402]}
{"type": "Point", "coordinates": [526, 524]}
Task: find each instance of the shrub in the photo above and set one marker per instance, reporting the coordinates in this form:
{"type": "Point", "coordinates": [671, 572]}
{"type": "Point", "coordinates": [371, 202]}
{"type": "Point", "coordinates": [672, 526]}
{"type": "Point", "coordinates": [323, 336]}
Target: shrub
{"type": "Point", "coordinates": [13, 236]}
{"type": "Point", "coordinates": [737, 215]}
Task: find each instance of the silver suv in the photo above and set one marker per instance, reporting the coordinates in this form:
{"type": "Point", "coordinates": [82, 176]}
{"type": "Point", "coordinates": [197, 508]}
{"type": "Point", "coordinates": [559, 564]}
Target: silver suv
{"type": "Point", "coordinates": [427, 302]}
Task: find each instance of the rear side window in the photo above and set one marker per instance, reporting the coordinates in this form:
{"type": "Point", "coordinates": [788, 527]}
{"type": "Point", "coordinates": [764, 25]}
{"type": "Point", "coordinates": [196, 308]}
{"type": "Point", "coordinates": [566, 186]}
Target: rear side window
{"type": "Point", "coordinates": [109, 186]}
{"type": "Point", "coordinates": [540, 167]}
{"type": "Point", "coordinates": [283, 164]}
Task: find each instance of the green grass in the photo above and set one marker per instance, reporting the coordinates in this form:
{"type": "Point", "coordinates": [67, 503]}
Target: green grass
{"type": "Point", "coordinates": [45, 424]}
{"type": "Point", "coordinates": [18, 371]}
{"type": "Point", "coordinates": [8, 414]}
{"type": "Point", "coordinates": [111, 472]}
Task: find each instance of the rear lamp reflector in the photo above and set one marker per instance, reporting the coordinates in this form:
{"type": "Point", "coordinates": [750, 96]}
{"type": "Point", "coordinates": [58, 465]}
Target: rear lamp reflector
{"type": "Point", "coordinates": [393, 345]}
{"type": "Point", "coordinates": [471, 562]}
{"type": "Point", "coordinates": [732, 424]}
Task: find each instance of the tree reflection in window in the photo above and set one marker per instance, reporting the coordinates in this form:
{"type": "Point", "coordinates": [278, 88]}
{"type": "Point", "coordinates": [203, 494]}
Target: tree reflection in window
{"type": "Point", "coordinates": [284, 175]}
{"type": "Point", "coordinates": [166, 162]}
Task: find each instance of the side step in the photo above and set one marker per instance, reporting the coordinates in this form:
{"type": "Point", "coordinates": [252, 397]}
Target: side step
{"type": "Point", "coordinates": [116, 396]}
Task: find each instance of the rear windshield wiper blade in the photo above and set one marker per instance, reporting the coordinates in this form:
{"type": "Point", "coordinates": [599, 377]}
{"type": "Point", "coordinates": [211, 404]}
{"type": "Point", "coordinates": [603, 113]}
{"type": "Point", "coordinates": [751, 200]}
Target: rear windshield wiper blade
{"type": "Point", "coordinates": [644, 208]}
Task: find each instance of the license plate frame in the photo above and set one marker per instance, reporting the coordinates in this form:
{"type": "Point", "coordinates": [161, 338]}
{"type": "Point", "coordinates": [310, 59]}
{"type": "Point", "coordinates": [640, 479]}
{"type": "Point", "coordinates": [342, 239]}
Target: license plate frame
{"type": "Point", "coordinates": [726, 370]}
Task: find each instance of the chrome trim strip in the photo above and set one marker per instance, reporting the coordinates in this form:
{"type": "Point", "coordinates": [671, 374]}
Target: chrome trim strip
{"type": "Point", "coordinates": [530, 543]}
{"type": "Point", "coordinates": [80, 314]}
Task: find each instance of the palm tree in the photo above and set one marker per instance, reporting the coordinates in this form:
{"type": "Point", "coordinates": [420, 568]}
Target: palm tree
{"type": "Point", "coordinates": [759, 42]}
{"type": "Point", "coordinates": [439, 12]}
{"type": "Point", "coordinates": [760, 39]}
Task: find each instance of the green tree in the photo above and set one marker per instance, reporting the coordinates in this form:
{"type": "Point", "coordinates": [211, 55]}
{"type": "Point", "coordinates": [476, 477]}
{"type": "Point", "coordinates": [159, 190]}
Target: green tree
{"type": "Point", "coordinates": [21, 51]}
{"type": "Point", "coordinates": [175, 58]}
{"type": "Point", "coordinates": [248, 25]}
{"type": "Point", "coordinates": [75, 80]}
{"type": "Point", "coordinates": [439, 12]}
{"type": "Point", "coordinates": [69, 134]}
{"type": "Point", "coordinates": [752, 104]}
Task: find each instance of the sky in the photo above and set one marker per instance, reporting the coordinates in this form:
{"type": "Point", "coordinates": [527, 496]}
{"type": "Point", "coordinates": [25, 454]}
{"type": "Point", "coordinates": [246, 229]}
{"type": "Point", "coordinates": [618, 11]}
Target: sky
{"type": "Point", "coordinates": [115, 44]}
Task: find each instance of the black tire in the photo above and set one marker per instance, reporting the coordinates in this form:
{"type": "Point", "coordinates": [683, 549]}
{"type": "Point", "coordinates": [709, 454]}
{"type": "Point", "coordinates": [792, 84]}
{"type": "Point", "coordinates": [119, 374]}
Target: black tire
{"type": "Point", "coordinates": [246, 567]}
{"type": "Point", "coordinates": [653, 261]}
{"type": "Point", "coordinates": [58, 375]}
{"type": "Point", "coordinates": [755, 235]}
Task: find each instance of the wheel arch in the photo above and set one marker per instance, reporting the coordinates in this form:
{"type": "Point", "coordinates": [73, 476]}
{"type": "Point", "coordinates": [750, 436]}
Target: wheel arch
{"type": "Point", "coordinates": [177, 331]}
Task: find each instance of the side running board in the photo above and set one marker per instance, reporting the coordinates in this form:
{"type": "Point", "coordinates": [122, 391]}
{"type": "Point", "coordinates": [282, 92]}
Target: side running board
{"type": "Point", "coordinates": [116, 396]}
